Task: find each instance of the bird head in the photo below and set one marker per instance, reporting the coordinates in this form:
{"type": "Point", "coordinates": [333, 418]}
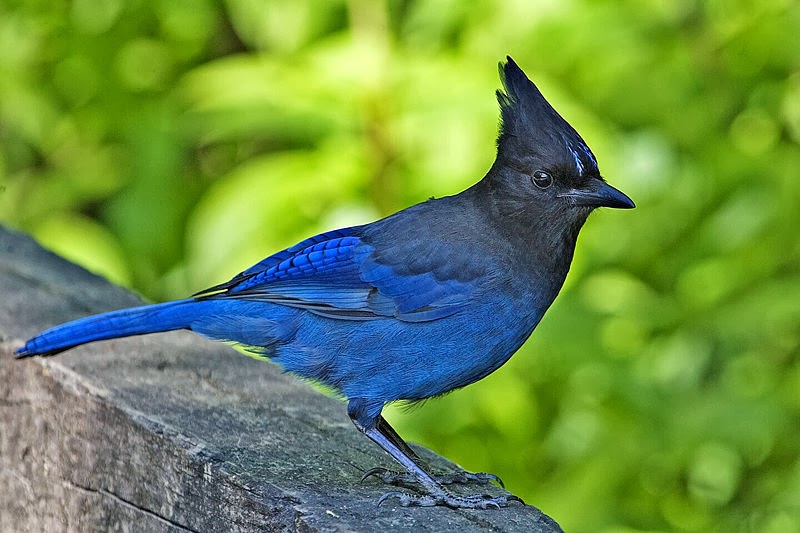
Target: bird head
{"type": "Point", "coordinates": [540, 156]}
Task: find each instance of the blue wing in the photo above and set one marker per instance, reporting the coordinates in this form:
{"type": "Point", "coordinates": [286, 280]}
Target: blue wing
{"type": "Point", "coordinates": [337, 275]}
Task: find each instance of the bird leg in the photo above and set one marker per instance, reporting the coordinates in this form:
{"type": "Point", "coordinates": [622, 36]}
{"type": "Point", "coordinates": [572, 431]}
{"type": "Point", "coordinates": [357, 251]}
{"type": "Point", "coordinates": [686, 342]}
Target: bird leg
{"type": "Point", "coordinates": [392, 477]}
{"type": "Point", "coordinates": [382, 434]}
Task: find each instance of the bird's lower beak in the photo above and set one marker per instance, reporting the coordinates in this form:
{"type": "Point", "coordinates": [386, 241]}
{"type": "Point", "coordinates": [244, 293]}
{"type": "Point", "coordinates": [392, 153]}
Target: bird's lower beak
{"type": "Point", "coordinates": [600, 194]}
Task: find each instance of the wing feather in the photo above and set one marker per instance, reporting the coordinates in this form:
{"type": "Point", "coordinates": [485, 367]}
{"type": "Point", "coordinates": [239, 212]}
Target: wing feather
{"type": "Point", "coordinates": [336, 274]}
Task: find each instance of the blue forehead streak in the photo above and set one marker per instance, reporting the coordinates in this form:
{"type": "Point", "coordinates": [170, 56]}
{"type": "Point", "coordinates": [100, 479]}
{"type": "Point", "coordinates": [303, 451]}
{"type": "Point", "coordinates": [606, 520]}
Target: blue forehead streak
{"type": "Point", "coordinates": [588, 153]}
{"type": "Point", "coordinates": [576, 155]}
{"type": "Point", "coordinates": [577, 158]}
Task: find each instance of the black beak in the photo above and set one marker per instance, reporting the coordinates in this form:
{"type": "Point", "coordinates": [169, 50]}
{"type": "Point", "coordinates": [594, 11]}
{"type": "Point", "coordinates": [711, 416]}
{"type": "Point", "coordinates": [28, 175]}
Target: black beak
{"type": "Point", "coordinates": [599, 194]}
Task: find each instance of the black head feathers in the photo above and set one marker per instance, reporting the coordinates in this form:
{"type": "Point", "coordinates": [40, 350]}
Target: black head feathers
{"type": "Point", "coordinates": [530, 123]}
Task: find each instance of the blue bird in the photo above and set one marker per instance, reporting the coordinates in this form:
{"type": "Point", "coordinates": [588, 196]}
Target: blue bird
{"type": "Point", "coordinates": [422, 302]}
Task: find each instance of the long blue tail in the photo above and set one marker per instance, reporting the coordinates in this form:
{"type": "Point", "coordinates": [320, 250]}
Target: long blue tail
{"type": "Point", "coordinates": [167, 316]}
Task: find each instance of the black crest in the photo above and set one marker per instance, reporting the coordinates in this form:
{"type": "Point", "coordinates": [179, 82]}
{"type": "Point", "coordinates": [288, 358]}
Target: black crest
{"type": "Point", "coordinates": [530, 120]}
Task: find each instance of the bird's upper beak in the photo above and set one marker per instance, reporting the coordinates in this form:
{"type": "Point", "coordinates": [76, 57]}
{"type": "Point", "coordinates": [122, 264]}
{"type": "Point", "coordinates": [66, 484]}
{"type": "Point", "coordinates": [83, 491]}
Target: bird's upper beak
{"type": "Point", "coordinates": [599, 194]}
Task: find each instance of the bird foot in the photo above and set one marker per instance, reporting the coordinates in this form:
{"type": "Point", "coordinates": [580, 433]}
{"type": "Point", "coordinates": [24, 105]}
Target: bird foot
{"type": "Point", "coordinates": [404, 478]}
{"type": "Point", "coordinates": [479, 501]}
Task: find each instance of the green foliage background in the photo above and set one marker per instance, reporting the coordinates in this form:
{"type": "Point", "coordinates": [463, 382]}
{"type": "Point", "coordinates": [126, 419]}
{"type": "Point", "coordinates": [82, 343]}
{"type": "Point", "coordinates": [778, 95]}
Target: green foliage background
{"type": "Point", "coordinates": [169, 145]}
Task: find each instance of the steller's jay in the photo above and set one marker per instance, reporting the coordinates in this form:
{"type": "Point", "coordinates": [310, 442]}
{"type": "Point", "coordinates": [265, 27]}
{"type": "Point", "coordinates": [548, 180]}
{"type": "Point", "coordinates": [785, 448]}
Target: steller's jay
{"type": "Point", "coordinates": [414, 305]}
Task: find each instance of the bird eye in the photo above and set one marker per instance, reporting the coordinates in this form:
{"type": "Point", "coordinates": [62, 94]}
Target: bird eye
{"type": "Point", "coordinates": [542, 179]}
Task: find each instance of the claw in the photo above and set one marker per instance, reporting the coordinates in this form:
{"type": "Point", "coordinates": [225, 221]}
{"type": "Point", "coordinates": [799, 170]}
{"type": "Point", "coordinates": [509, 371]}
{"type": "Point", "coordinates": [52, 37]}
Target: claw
{"type": "Point", "coordinates": [386, 495]}
{"type": "Point", "coordinates": [513, 498]}
{"type": "Point", "coordinates": [378, 472]}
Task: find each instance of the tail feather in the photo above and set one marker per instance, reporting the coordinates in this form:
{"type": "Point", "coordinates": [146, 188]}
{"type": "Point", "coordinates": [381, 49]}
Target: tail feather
{"type": "Point", "coordinates": [123, 323]}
